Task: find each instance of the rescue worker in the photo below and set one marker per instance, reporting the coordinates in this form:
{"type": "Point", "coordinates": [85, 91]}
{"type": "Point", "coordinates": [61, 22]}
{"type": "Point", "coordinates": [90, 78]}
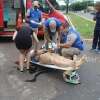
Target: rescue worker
{"type": "Point", "coordinates": [34, 17]}
{"type": "Point", "coordinates": [70, 42]}
{"type": "Point", "coordinates": [52, 30]}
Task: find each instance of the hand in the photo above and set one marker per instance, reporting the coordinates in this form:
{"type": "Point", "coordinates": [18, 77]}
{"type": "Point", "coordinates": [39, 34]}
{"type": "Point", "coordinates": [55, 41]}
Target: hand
{"type": "Point", "coordinates": [58, 45]}
{"type": "Point", "coordinates": [35, 52]}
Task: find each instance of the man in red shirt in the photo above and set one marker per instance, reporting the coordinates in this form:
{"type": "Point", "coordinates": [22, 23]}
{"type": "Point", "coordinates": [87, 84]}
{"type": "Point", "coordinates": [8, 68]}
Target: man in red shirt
{"type": "Point", "coordinates": [57, 14]}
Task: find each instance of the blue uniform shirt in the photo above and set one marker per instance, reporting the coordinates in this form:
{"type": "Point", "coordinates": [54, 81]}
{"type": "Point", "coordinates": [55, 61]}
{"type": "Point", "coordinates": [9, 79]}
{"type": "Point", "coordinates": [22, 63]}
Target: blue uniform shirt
{"type": "Point", "coordinates": [78, 43]}
{"type": "Point", "coordinates": [35, 15]}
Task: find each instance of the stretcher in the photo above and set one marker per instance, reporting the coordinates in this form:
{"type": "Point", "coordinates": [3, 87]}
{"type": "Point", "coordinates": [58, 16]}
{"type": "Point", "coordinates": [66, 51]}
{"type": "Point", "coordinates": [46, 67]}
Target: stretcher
{"type": "Point", "coordinates": [70, 75]}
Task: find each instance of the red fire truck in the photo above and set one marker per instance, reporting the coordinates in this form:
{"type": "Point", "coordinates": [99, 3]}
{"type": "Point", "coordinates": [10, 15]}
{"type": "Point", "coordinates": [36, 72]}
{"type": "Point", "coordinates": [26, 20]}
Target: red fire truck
{"type": "Point", "coordinates": [12, 13]}
{"type": "Point", "coordinates": [9, 11]}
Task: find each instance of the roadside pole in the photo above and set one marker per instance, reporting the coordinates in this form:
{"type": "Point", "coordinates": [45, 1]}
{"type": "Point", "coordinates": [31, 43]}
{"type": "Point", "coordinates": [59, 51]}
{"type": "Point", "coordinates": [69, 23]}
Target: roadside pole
{"type": "Point", "coordinates": [67, 6]}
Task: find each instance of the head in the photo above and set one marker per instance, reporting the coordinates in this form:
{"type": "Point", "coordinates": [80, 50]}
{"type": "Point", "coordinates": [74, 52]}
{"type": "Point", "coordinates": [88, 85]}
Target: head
{"type": "Point", "coordinates": [35, 4]}
{"type": "Point", "coordinates": [65, 27]}
{"type": "Point", "coordinates": [52, 25]}
{"type": "Point", "coordinates": [97, 6]}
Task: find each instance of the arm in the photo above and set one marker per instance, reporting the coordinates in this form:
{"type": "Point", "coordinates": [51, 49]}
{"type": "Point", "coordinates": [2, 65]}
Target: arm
{"type": "Point", "coordinates": [59, 35]}
{"type": "Point", "coordinates": [59, 25]}
{"type": "Point", "coordinates": [50, 5]}
{"type": "Point", "coordinates": [45, 30]}
{"type": "Point", "coordinates": [27, 15]}
{"type": "Point", "coordinates": [14, 36]}
{"type": "Point", "coordinates": [36, 40]}
{"type": "Point", "coordinates": [64, 45]}
{"type": "Point", "coordinates": [46, 36]}
{"type": "Point", "coordinates": [70, 40]}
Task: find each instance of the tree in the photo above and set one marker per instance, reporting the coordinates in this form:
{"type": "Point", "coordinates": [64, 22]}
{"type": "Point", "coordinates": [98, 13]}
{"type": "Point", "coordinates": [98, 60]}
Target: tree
{"type": "Point", "coordinates": [54, 3]}
{"type": "Point", "coordinates": [67, 5]}
{"type": "Point", "coordinates": [81, 5]}
{"type": "Point", "coordinates": [45, 6]}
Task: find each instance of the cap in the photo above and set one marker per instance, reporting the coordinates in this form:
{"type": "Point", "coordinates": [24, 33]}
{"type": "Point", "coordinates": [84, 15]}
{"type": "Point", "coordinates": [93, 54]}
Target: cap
{"type": "Point", "coordinates": [52, 25]}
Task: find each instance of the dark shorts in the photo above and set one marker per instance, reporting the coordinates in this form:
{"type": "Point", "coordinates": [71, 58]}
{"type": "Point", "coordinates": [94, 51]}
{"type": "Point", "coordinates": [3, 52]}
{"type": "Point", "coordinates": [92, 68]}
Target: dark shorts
{"type": "Point", "coordinates": [23, 42]}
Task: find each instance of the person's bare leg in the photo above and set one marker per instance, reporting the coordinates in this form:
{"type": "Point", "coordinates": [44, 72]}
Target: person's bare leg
{"type": "Point", "coordinates": [21, 61]}
{"type": "Point", "coordinates": [30, 54]}
{"type": "Point", "coordinates": [80, 61]}
{"type": "Point", "coordinates": [35, 39]}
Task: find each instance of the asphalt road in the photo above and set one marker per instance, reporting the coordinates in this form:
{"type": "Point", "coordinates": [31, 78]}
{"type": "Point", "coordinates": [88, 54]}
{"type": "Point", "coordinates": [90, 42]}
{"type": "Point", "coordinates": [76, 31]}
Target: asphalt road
{"type": "Point", "coordinates": [49, 86]}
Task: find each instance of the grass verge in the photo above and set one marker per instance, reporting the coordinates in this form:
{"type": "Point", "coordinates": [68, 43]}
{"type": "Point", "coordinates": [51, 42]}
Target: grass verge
{"type": "Point", "coordinates": [85, 27]}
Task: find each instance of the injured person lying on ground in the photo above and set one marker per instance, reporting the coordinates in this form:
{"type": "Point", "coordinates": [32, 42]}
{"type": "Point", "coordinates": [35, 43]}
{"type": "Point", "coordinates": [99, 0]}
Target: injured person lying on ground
{"type": "Point", "coordinates": [45, 57]}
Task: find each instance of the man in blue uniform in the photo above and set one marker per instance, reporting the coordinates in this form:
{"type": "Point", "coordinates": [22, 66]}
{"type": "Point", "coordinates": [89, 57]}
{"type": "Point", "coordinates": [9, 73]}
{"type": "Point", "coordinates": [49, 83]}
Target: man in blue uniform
{"type": "Point", "coordinates": [52, 30]}
{"type": "Point", "coordinates": [70, 42]}
{"type": "Point", "coordinates": [34, 17]}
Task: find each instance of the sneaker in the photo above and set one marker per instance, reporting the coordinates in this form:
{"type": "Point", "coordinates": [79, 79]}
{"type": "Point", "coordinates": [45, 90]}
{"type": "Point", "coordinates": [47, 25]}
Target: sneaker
{"type": "Point", "coordinates": [21, 70]}
{"type": "Point", "coordinates": [92, 50]}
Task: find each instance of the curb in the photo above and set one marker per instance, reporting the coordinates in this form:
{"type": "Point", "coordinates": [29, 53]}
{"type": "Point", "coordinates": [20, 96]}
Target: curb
{"type": "Point", "coordinates": [88, 40]}
{"type": "Point", "coordinates": [83, 17]}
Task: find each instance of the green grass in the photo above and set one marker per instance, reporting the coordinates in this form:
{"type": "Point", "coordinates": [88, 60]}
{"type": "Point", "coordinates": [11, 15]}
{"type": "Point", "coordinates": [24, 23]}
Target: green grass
{"type": "Point", "coordinates": [85, 27]}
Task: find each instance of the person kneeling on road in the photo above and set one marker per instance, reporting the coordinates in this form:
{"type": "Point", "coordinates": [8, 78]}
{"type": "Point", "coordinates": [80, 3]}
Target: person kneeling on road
{"type": "Point", "coordinates": [70, 43]}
